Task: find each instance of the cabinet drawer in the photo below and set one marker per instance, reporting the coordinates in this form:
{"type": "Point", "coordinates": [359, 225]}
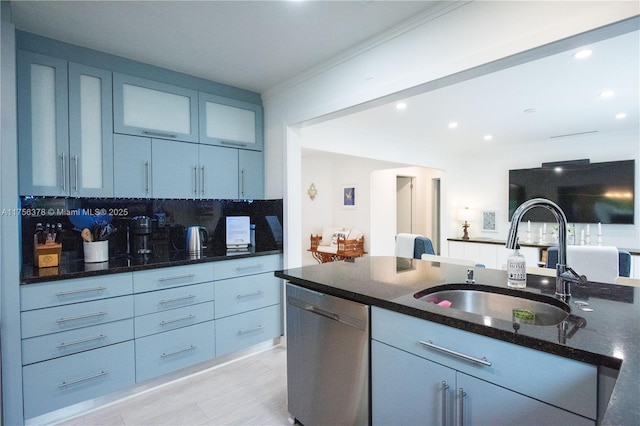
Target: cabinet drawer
{"type": "Point", "coordinates": [69, 317]}
{"type": "Point", "coordinates": [45, 295]}
{"type": "Point", "coordinates": [64, 381]}
{"type": "Point", "coordinates": [237, 295]}
{"type": "Point", "coordinates": [528, 371]}
{"type": "Point", "coordinates": [158, 279]}
{"type": "Point", "coordinates": [243, 330]}
{"type": "Point", "coordinates": [246, 266]}
{"type": "Point", "coordinates": [70, 342]}
{"type": "Point", "coordinates": [172, 319]}
{"type": "Point", "coordinates": [158, 301]}
{"type": "Point", "coordinates": [166, 352]}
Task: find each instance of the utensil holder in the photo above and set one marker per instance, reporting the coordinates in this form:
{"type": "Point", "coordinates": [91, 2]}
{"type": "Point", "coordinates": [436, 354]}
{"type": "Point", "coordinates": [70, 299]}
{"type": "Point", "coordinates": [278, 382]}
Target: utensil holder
{"type": "Point", "coordinates": [96, 251]}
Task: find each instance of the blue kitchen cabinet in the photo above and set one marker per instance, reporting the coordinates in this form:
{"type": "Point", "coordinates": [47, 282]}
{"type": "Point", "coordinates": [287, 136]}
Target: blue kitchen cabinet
{"type": "Point", "coordinates": [64, 128]}
{"type": "Point", "coordinates": [248, 302]}
{"type": "Point", "coordinates": [218, 172]}
{"type": "Point", "coordinates": [409, 390]}
{"type": "Point", "coordinates": [77, 340]}
{"type": "Point", "coordinates": [503, 383]}
{"type": "Point", "coordinates": [90, 132]}
{"type": "Point", "coordinates": [174, 169]}
{"type": "Point", "coordinates": [131, 167]}
{"type": "Point", "coordinates": [43, 125]}
{"type": "Point", "coordinates": [251, 174]}
{"type": "Point", "coordinates": [153, 109]}
{"type": "Point", "coordinates": [229, 122]}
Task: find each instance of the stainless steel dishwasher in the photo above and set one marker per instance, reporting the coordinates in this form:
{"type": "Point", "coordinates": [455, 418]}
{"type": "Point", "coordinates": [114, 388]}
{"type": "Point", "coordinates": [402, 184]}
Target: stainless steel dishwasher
{"type": "Point", "coordinates": [327, 359]}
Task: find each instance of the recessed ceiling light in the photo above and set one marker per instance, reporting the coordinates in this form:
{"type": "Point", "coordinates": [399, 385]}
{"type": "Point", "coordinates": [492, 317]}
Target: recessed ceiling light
{"type": "Point", "coordinates": [401, 105]}
{"type": "Point", "coordinates": [453, 125]}
{"type": "Point", "coordinates": [582, 54]}
{"type": "Point", "coordinates": [488, 137]}
{"type": "Point", "coordinates": [607, 94]}
{"type": "Point", "coordinates": [621, 115]}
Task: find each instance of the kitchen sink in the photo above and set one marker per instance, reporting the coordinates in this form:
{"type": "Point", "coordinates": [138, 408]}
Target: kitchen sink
{"type": "Point", "coordinates": [497, 302]}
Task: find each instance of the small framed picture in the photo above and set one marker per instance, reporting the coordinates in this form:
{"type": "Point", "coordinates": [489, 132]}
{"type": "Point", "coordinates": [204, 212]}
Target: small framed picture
{"type": "Point", "coordinates": [349, 197]}
{"type": "Point", "coordinates": [489, 221]}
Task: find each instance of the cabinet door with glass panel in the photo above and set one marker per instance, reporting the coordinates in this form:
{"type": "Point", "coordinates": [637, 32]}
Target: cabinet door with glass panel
{"type": "Point", "coordinates": [43, 126]}
{"type": "Point", "coordinates": [149, 108]}
{"type": "Point", "coordinates": [64, 128]}
{"type": "Point", "coordinates": [231, 123]}
{"type": "Point", "coordinates": [90, 133]}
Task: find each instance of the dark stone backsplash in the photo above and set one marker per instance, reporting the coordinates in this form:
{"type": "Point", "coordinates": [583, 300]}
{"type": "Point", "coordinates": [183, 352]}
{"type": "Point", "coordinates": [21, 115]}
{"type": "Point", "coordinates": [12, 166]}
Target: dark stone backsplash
{"type": "Point", "coordinates": [180, 214]}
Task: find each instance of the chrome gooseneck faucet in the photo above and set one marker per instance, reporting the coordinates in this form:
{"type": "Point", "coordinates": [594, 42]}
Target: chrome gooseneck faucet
{"type": "Point", "coordinates": [564, 275]}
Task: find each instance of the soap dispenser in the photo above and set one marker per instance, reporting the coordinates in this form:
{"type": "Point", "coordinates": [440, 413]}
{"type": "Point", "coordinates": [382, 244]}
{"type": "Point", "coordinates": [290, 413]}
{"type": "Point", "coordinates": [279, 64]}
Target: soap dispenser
{"type": "Point", "coordinates": [516, 269]}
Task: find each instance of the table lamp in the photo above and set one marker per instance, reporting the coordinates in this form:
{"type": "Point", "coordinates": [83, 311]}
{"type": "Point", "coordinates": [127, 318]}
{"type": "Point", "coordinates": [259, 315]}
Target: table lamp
{"type": "Point", "coordinates": [465, 216]}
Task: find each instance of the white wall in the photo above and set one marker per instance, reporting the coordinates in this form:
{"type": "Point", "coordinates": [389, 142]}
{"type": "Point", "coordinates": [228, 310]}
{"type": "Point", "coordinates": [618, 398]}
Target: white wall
{"type": "Point", "coordinates": [467, 35]}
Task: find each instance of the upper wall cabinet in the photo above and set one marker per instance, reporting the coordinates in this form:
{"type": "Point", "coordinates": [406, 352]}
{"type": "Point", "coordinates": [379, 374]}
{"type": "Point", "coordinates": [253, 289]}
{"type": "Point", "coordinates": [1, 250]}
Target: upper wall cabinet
{"type": "Point", "coordinates": [149, 108]}
{"type": "Point", "coordinates": [64, 128]}
{"type": "Point", "coordinates": [230, 123]}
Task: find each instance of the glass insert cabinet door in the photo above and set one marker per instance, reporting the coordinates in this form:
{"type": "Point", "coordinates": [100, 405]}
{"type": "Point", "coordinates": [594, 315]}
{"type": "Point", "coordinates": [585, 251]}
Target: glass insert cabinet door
{"type": "Point", "coordinates": [43, 132]}
{"type": "Point", "coordinates": [230, 123]}
{"type": "Point", "coordinates": [64, 128]}
{"type": "Point", "coordinates": [90, 135]}
{"type": "Point", "coordinates": [154, 109]}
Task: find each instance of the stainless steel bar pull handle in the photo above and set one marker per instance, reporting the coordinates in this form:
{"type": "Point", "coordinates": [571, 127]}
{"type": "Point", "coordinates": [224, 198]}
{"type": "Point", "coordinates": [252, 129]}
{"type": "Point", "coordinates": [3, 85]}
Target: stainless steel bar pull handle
{"type": "Point", "coordinates": [178, 277]}
{"type": "Point", "coordinates": [242, 268]}
{"type": "Point", "coordinates": [257, 293]}
{"type": "Point", "coordinates": [195, 180]}
{"type": "Point", "coordinates": [63, 168]}
{"type": "Point", "coordinates": [445, 387]}
{"type": "Point", "coordinates": [146, 177]}
{"type": "Point", "coordinates": [429, 344]}
{"type": "Point", "coordinates": [241, 332]}
{"type": "Point", "coordinates": [202, 181]}
{"type": "Point", "coordinates": [461, 395]}
{"type": "Point", "coordinates": [242, 182]}
{"type": "Point", "coordinates": [171, 321]}
{"type": "Point", "coordinates": [80, 317]}
{"type": "Point", "coordinates": [179, 351]}
{"type": "Point", "coordinates": [159, 134]}
{"type": "Point", "coordinates": [82, 379]}
{"type": "Point", "coordinates": [233, 143]}
{"type": "Point", "coordinates": [83, 290]}
{"type": "Point", "coordinates": [176, 299]}
{"type": "Point", "coordinates": [75, 175]}
{"type": "Point", "coordinates": [81, 341]}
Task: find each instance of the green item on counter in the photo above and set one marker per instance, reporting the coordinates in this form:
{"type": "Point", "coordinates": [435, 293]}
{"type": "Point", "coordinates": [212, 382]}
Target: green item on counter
{"type": "Point", "coordinates": [524, 314]}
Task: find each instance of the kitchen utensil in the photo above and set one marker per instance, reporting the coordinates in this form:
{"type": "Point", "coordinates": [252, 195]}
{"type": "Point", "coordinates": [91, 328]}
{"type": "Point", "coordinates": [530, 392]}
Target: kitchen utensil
{"type": "Point", "coordinates": [86, 235]}
{"type": "Point", "coordinates": [197, 236]}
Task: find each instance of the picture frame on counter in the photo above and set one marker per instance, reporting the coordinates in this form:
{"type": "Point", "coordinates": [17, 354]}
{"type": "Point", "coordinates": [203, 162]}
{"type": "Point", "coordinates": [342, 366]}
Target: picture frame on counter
{"type": "Point", "coordinates": [489, 221]}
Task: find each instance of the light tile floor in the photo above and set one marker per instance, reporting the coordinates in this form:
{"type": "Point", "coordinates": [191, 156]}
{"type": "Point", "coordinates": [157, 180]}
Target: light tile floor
{"type": "Point", "coordinates": [248, 392]}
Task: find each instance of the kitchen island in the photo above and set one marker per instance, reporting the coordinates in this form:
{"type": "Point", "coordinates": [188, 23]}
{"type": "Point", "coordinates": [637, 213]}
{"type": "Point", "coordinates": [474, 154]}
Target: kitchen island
{"type": "Point", "coordinates": [608, 338]}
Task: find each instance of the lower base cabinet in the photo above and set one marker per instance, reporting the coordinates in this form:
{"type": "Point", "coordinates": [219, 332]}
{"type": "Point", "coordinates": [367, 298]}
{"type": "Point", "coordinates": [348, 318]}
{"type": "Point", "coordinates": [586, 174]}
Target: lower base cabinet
{"type": "Point", "coordinates": [172, 350]}
{"type": "Point", "coordinates": [410, 390]}
{"type": "Point", "coordinates": [247, 329]}
{"type": "Point", "coordinates": [428, 373]}
{"type": "Point", "coordinates": [64, 381]}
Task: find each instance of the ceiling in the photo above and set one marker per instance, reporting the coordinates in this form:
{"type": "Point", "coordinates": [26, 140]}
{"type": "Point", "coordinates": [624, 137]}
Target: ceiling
{"type": "Point", "coordinates": [254, 45]}
{"type": "Point", "coordinates": [553, 98]}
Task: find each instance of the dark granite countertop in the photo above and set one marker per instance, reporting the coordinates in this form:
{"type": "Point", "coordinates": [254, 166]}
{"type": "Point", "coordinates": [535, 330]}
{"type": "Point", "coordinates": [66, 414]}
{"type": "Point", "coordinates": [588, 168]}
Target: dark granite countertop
{"type": "Point", "coordinates": [633, 251]}
{"type": "Point", "coordinates": [71, 266]}
{"type": "Point", "coordinates": [609, 336]}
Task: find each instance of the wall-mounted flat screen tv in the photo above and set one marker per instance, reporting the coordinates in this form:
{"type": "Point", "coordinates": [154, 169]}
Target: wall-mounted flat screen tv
{"type": "Point", "coordinates": [586, 192]}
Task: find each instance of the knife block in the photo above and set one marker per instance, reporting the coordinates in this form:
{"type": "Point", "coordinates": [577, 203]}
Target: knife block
{"type": "Point", "coordinates": [46, 255]}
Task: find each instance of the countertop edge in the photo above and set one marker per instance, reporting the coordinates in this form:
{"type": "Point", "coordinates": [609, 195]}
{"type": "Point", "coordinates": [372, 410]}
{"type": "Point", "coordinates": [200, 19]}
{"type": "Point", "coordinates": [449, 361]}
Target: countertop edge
{"type": "Point", "coordinates": [139, 267]}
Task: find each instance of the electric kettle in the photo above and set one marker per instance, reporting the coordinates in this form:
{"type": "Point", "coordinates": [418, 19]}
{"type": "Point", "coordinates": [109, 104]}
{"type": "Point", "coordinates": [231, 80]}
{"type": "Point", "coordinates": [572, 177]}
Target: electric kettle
{"type": "Point", "coordinates": [197, 237]}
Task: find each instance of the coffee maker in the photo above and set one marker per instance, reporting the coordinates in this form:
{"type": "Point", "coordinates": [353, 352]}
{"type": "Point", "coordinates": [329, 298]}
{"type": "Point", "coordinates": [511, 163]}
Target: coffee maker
{"type": "Point", "coordinates": [140, 242]}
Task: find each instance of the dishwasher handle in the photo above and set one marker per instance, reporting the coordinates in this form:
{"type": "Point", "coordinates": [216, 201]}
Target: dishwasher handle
{"type": "Point", "coordinates": [342, 319]}
{"type": "Point", "coordinates": [322, 313]}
